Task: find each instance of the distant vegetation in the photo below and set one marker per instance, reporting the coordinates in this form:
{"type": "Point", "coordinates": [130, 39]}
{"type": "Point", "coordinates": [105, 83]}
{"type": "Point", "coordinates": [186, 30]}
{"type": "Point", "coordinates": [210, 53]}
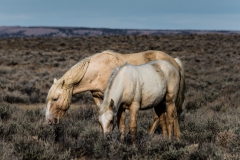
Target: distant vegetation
{"type": "Point", "coordinates": [7, 32]}
{"type": "Point", "coordinates": [209, 124]}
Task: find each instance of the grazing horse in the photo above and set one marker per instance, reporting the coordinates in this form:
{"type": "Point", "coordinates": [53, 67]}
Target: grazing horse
{"type": "Point", "coordinates": [92, 74]}
{"type": "Point", "coordinates": [139, 88]}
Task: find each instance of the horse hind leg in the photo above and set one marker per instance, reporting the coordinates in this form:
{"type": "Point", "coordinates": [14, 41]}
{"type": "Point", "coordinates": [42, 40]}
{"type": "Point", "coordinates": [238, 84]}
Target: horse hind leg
{"type": "Point", "coordinates": [176, 125]}
{"type": "Point", "coordinates": [154, 124]}
{"type": "Point", "coordinates": [159, 118]}
{"type": "Point", "coordinates": [170, 114]}
{"type": "Point", "coordinates": [162, 121]}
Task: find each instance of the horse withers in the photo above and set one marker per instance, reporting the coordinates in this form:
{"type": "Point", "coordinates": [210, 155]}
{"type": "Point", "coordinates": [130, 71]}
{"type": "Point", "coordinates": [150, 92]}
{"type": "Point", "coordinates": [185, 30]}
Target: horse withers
{"type": "Point", "coordinates": [139, 88]}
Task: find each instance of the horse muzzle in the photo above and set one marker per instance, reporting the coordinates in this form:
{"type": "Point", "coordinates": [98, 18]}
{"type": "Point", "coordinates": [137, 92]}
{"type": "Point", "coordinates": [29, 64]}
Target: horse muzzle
{"type": "Point", "coordinates": [52, 121]}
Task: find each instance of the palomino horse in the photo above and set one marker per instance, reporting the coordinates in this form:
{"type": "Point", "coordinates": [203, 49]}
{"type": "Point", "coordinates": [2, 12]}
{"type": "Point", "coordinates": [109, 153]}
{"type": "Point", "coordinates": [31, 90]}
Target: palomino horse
{"type": "Point", "coordinates": [92, 74]}
{"type": "Point", "coordinates": [139, 88]}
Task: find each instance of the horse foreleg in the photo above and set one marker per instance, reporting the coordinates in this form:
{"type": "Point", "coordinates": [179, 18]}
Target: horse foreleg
{"type": "Point", "coordinates": [133, 121]}
{"type": "Point", "coordinates": [154, 124]}
{"type": "Point", "coordinates": [98, 101]}
{"type": "Point", "coordinates": [121, 117]}
{"type": "Point", "coordinates": [162, 121]}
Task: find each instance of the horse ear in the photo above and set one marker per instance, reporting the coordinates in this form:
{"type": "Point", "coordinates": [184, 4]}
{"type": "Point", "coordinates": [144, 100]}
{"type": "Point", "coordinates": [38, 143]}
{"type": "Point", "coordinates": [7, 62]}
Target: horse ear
{"type": "Point", "coordinates": [111, 104]}
{"type": "Point", "coordinates": [63, 83]}
{"type": "Point", "coordinates": [54, 80]}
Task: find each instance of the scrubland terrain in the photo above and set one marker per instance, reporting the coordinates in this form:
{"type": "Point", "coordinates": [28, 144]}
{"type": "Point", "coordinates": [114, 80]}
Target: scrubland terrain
{"type": "Point", "coordinates": [209, 124]}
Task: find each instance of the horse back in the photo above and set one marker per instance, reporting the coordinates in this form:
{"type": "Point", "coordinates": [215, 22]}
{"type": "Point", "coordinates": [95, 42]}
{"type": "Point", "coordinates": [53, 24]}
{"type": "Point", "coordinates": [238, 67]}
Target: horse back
{"type": "Point", "coordinates": [170, 74]}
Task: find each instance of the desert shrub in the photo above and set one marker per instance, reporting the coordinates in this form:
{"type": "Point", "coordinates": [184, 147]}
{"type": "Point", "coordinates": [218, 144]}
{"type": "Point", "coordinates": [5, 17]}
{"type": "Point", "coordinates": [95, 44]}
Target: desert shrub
{"type": "Point", "coordinates": [164, 148]}
{"type": "Point", "coordinates": [44, 132]}
{"type": "Point", "coordinates": [84, 145]}
{"type": "Point", "coordinates": [228, 140]}
{"type": "Point", "coordinates": [87, 140]}
{"type": "Point", "coordinates": [101, 148]}
{"type": "Point", "coordinates": [213, 126]}
{"type": "Point", "coordinates": [200, 132]}
{"type": "Point", "coordinates": [84, 114]}
{"type": "Point", "coordinates": [34, 97]}
{"type": "Point", "coordinates": [207, 151]}
{"type": "Point", "coordinates": [9, 130]}
{"type": "Point", "coordinates": [192, 106]}
{"type": "Point", "coordinates": [145, 120]}
{"type": "Point", "coordinates": [128, 152]}
{"type": "Point", "coordinates": [28, 148]}
{"type": "Point", "coordinates": [6, 110]}
{"type": "Point", "coordinates": [83, 98]}
{"type": "Point", "coordinates": [34, 115]}
{"type": "Point", "coordinates": [6, 152]}
{"type": "Point", "coordinates": [16, 97]}
{"type": "Point", "coordinates": [173, 153]}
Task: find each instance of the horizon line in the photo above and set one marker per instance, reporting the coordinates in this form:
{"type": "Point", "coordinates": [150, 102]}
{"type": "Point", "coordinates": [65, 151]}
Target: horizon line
{"type": "Point", "coordinates": [72, 27]}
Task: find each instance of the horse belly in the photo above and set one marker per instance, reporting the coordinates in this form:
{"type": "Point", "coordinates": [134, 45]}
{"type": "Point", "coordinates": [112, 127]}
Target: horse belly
{"type": "Point", "coordinates": [153, 97]}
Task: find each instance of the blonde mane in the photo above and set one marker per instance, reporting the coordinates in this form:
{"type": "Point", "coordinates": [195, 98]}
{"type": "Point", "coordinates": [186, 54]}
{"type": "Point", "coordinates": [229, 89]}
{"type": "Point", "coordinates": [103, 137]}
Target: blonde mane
{"type": "Point", "coordinates": [75, 73]}
{"type": "Point", "coordinates": [68, 80]}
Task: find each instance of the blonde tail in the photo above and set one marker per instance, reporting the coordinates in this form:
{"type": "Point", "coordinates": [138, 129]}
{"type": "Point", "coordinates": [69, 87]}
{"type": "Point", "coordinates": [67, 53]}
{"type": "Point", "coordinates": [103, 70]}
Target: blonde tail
{"type": "Point", "coordinates": [180, 96]}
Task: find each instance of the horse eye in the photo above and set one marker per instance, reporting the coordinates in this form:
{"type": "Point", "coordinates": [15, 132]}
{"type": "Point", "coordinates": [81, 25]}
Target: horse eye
{"type": "Point", "coordinates": [55, 99]}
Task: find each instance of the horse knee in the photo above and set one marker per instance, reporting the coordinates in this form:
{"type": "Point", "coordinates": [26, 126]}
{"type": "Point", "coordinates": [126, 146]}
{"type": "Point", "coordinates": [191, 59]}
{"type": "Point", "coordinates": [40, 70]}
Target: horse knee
{"type": "Point", "coordinates": [170, 98]}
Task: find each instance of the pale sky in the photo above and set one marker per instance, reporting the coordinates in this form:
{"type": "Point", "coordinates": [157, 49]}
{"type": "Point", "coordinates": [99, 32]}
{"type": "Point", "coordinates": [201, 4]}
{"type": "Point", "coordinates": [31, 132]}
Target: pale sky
{"type": "Point", "coordinates": [123, 14]}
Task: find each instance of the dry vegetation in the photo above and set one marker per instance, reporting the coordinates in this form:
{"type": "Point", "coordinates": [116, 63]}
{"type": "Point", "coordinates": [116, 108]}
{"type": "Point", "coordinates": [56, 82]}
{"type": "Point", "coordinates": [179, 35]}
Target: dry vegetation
{"type": "Point", "coordinates": [209, 123]}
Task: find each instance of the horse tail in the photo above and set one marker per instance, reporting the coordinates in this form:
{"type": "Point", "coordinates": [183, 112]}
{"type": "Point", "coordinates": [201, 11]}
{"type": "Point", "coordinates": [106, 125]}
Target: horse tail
{"type": "Point", "coordinates": [180, 95]}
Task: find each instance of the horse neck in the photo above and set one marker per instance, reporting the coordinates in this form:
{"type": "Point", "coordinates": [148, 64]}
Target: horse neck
{"type": "Point", "coordinates": [115, 92]}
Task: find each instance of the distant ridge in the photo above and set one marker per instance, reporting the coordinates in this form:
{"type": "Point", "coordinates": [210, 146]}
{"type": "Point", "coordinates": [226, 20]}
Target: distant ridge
{"type": "Point", "coordinates": [17, 31]}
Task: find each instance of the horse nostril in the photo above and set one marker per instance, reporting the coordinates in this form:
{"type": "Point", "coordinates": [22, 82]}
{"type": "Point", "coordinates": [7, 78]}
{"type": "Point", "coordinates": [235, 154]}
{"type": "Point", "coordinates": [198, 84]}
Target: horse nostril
{"type": "Point", "coordinates": [55, 121]}
{"type": "Point", "coordinates": [49, 122]}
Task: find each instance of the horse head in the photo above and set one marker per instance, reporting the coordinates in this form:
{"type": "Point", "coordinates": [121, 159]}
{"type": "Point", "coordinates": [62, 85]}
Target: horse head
{"type": "Point", "coordinates": [106, 117]}
{"type": "Point", "coordinates": [58, 101]}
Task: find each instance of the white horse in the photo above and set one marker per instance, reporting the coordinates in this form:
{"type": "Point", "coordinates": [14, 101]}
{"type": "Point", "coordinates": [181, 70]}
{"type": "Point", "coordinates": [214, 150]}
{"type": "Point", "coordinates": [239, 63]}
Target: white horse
{"type": "Point", "coordinates": [139, 88]}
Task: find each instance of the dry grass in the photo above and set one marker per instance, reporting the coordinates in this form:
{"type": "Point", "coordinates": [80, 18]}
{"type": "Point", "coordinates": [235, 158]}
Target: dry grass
{"type": "Point", "coordinates": [209, 123]}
